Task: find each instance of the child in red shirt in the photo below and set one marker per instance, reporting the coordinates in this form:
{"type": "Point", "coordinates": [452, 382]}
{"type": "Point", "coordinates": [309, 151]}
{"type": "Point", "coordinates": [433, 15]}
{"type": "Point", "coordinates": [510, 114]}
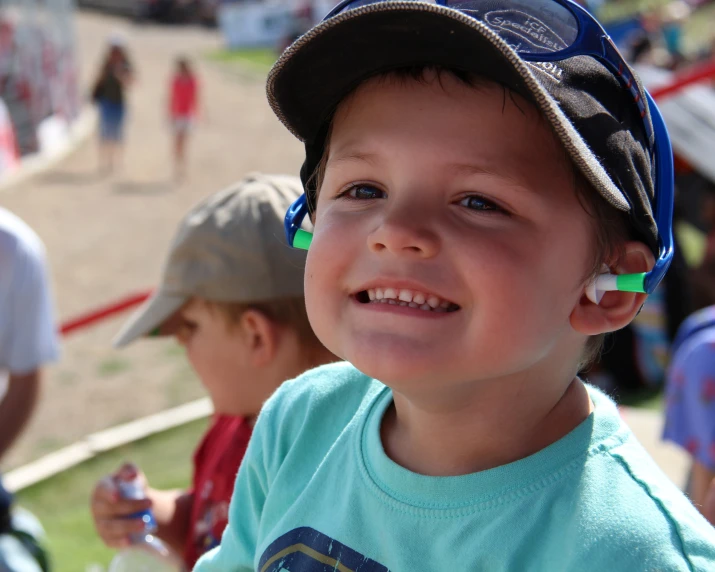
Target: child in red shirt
{"type": "Point", "coordinates": [240, 314]}
{"type": "Point", "coordinates": [183, 108]}
{"type": "Point", "coordinates": [216, 463]}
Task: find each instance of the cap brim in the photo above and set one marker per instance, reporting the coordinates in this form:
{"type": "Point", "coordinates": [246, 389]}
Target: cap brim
{"type": "Point", "coordinates": [152, 314]}
{"type": "Point", "coordinates": [315, 73]}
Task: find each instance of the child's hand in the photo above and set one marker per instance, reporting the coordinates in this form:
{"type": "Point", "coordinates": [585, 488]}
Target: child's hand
{"type": "Point", "coordinates": [110, 510]}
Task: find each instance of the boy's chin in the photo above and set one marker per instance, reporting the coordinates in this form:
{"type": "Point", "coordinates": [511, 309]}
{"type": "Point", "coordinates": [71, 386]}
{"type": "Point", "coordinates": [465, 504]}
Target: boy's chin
{"type": "Point", "coordinates": [398, 374]}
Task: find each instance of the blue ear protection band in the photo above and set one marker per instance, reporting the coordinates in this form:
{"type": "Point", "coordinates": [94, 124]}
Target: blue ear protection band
{"type": "Point", "coordinates": [644, 282]}
{"type": "Point", "coordinates": [592, 40]}
{"type": "Point", "coordinates": [296, 236]}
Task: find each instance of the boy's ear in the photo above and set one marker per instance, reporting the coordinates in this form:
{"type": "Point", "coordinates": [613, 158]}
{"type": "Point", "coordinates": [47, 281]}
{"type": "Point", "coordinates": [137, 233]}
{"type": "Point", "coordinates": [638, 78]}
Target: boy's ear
{"type": "Point", "coordinates": [616, 309]}
{"type": "Point", "coordinates": [261, 335]}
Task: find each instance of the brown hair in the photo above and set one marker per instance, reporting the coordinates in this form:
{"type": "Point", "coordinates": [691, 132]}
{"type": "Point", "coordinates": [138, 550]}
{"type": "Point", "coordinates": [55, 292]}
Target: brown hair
{"type": "Point", "coordinates": [286, 312]}
{"type": "Point", "coordinates": [610, 231]}
{"type": "Point", "coordinates": [610, 226]}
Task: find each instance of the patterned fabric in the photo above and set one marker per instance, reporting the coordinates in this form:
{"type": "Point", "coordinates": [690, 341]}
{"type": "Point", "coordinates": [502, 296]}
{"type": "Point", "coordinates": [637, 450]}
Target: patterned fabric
{"type": "Point", "coordinates": [690, 395]}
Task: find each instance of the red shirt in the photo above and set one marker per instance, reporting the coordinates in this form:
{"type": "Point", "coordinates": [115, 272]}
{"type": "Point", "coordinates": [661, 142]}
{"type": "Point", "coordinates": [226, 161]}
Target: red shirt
{"type": "Point", "coordinates": [216, 463]}
{"type": "Point", "coordinates": [184, 92]}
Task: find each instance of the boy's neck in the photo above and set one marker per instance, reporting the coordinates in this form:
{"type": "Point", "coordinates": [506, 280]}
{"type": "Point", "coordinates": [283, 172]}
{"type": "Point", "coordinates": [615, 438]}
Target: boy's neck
{"type": "Point", "coordinates": [488, 429]}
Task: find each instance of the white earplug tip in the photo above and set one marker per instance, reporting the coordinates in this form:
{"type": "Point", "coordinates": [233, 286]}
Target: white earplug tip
{"type": "Point", "coordinates": [593, 294]}
{"type": "Point", "coordinates": [603, 283]}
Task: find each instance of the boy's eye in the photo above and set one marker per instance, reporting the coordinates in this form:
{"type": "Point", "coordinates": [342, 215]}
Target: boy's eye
{"type": "Point", "coordinates": [364, 192]}
{"type": "Point", "coordinates": [477, 203]}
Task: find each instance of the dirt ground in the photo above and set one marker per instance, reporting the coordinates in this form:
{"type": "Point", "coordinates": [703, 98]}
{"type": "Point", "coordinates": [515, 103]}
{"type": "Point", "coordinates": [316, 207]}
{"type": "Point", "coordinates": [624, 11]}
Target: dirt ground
{"type": "Point", "coordinates": [106, 236]}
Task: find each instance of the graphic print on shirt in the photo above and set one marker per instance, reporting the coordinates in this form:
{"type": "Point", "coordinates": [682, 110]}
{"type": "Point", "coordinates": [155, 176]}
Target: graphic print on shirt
{"type": "Point", "coordinates": [211, 520]}
{"type": "Point", "coordinates": [307, 550]}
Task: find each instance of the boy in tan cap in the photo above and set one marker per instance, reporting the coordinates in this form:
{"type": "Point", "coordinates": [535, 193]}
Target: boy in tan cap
{"type": "Point", "coordinates": [232, 294]}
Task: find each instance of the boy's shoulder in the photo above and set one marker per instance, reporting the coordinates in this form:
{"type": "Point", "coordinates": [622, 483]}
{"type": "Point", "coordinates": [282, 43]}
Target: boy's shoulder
{"type": "Point", "coordinates": [323, 383]}
{"type": "Point", "coordinates": [318, 404]}
{"type": "Point", "coordinates": [629, 511]}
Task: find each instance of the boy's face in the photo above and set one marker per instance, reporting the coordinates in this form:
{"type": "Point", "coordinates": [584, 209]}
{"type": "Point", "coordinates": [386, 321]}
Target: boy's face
{"type": "Point", "coordinates": [220, 357]}
{"type": "Point", "coordinates": [460, 194]}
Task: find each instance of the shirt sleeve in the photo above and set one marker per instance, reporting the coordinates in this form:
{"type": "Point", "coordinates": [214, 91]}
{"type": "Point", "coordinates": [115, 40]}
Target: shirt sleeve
{"type": "Point", "coordinates": [690, 402]}
{"type": "Point", "coordinates": [238, 544]}
{"type": "Point", "coordinates": [33, 339]}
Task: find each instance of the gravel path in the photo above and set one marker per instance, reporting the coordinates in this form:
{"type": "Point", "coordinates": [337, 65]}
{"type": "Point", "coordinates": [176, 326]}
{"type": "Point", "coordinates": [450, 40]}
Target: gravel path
{"type": "Point", "coordinates": [106, 237]}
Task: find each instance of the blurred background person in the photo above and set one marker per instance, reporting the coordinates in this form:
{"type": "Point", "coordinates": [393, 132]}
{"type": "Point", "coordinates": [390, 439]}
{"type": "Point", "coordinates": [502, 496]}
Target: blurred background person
{"type": "Point", "coordinates": [239, 312]}
{"type": "Point", "coordinates": [28, 340]}
{"type": "Point", "coordinates": [109, 94]}
{"type": "Point", "coordinates": [703, 276]}
{"type": "Point", "coordinates": [183, 110]}
{"type": "Point", "coordinates": [690, 404]}
{"type": "Point", "coordinates": [673, 19]}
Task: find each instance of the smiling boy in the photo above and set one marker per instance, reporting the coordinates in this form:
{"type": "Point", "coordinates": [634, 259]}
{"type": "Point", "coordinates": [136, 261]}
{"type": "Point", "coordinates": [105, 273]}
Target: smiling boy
{"type": "Point", "coordinates": [465, 203]}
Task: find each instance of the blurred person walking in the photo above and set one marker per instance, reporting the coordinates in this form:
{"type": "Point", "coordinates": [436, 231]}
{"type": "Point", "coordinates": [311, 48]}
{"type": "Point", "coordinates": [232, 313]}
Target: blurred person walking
{"type": "Point", "coordinates": [183, 109]}
{"type": "Point", "coordinates": [109, 94]}
{"type": "Point", "coordinates": [28, 340]}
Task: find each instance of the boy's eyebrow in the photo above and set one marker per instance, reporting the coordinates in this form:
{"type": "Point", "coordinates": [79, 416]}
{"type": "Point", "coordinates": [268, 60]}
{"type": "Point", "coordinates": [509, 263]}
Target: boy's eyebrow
{"type": "Point", "coordinates": [473, 169]}
{"type": "Point", "coordinates": [350, 155]}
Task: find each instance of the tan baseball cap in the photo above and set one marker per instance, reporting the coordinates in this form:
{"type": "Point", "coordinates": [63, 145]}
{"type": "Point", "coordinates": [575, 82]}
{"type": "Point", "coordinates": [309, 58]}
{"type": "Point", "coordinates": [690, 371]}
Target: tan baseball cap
{"type": "Point", "coordinates": [229, 248]}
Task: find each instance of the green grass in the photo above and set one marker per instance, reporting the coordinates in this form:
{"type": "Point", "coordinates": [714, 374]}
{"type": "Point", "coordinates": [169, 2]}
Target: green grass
{"type": "Point", "coordinates": [692, 241]}
{"type": "Point", "coordinates": [700, 29]}
{"type": "Point", "coordinates": [62, 502]}
{"type": "Point", "coordinates": [113, 366]}
{"type": "Point", "coordinates": [257, 58]}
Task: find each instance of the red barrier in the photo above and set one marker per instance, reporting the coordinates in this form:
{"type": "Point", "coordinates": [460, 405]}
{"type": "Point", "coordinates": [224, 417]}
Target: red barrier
{"type": "Point", "coordinates": [688, 77]}
{"type": "Point", "coordinates": [103, 312]}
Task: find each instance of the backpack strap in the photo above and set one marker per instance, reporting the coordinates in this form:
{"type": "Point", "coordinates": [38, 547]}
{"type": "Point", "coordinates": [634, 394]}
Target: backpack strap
{"type": "Point", "coordinates": [33, 547]}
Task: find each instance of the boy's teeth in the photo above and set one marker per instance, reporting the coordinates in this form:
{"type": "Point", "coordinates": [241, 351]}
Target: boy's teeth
{"type": "Point", "coordinates": [405, 297]}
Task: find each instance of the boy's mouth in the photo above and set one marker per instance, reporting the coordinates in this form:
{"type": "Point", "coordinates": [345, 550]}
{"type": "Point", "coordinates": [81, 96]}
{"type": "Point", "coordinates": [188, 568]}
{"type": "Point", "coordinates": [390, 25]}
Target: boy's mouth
{"type": "Point", "coordinates": [406, 297]}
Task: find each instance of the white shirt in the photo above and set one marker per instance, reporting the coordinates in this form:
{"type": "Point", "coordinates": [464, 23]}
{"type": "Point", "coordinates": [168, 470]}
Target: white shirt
{"type": "Point", "coordinates": [28, 332]}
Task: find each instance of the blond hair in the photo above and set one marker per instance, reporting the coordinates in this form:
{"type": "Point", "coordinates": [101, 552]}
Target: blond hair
{"type": "Point", "coordinates": [286, 312]}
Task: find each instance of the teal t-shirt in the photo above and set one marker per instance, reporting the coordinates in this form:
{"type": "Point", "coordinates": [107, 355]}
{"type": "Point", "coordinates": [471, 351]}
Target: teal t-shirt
{"type": "Point", "coordinates": [316, 492]}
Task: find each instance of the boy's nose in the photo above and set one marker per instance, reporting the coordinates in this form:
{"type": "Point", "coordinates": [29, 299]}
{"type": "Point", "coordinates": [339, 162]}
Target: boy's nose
{"type": "Point", "coordinates": [404, 235]}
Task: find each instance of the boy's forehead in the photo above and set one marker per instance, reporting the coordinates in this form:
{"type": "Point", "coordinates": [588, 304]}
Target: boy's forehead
{"type": "Point", "coordinates": [465, 116]}
{"type": "Point", "coordinates": [586, 105]}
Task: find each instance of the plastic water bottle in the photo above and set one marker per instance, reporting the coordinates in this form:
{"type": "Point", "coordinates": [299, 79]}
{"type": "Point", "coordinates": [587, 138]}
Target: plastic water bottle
{"type": "Point", "coordinates": [146, 553]}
